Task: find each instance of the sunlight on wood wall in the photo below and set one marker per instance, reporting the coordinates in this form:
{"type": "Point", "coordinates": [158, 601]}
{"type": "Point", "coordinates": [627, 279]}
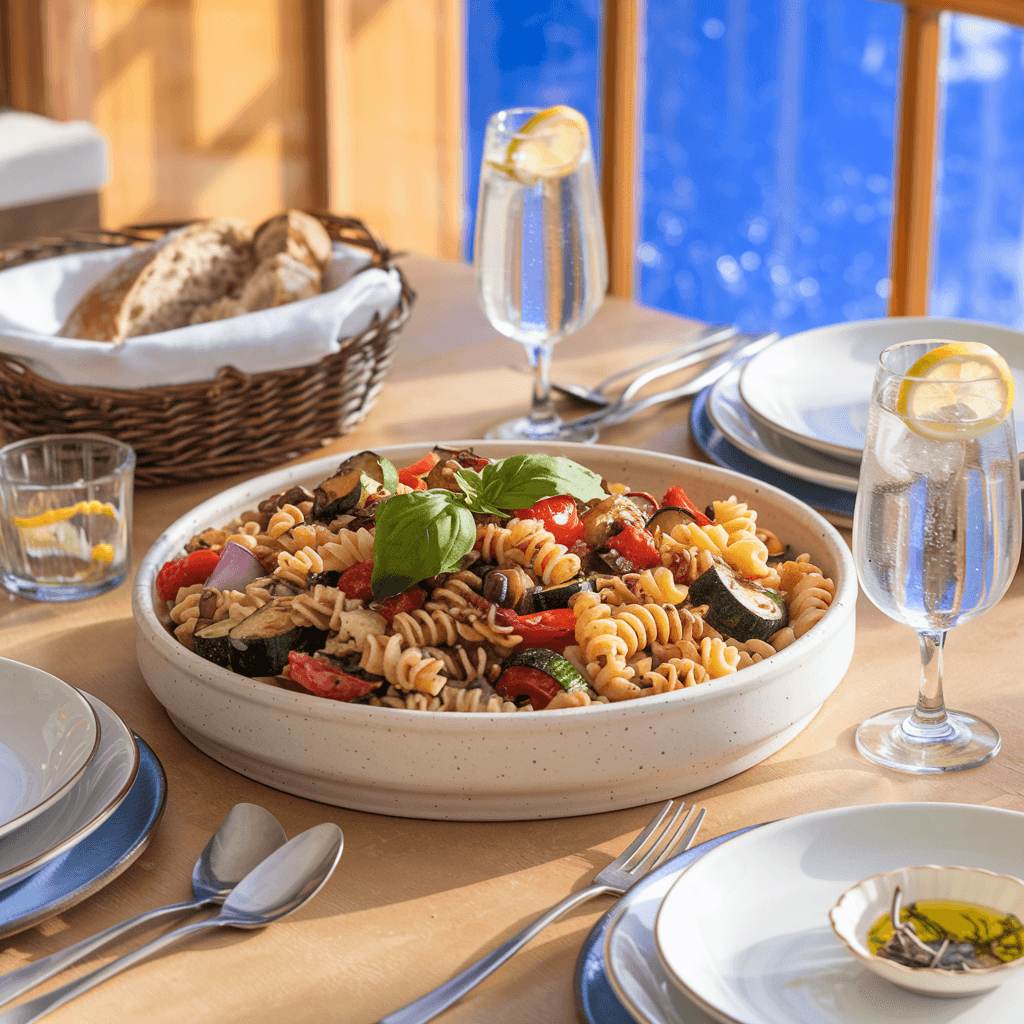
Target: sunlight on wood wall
{"type": "Point", "coordinates": [204, 104]}
{"type": "Point", "coordinates": [393, 74]}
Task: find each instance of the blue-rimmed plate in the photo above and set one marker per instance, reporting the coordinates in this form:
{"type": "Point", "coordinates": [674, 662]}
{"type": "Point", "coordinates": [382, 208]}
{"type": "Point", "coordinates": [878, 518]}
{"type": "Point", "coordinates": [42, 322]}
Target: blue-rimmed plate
{"type": "Point", "coordinates": [835, 505]}
{"type": "Point", "coordinates": [96, 860]}
{"type": "Point", "coordinates": [652, 998]}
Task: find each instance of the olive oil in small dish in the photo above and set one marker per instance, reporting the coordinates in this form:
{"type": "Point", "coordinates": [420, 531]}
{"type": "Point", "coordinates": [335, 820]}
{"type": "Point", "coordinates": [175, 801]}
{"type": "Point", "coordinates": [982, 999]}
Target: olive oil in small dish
{"type": "Point", "coordinates": [959, 930]}
{"type": "Point", "coordinates": [946, 935]}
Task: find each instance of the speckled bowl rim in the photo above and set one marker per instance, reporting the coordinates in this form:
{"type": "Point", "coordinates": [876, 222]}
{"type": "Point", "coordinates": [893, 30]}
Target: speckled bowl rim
{"type": "Point", "coordinates": [867, 957]}
{"type": "Point", "coordinates": [751, 678]}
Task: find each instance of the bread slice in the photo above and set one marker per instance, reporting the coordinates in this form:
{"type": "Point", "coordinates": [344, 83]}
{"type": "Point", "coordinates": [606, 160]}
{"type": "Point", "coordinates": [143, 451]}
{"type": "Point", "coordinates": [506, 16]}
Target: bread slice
{"type": "Point", "coordinates": [292, 250]}
{"type": "Point", "coordinates": [159, 288]}
{"type": "Point", "coordinates": [296, 233]}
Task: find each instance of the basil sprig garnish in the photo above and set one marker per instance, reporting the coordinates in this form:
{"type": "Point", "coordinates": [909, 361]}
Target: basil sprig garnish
{"type": "Point", "coordinates": [425, 533]}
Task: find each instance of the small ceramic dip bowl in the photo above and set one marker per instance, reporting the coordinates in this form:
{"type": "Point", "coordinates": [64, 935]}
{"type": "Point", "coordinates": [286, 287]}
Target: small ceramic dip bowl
{"type": "Point", "coordinates": [860, 908]}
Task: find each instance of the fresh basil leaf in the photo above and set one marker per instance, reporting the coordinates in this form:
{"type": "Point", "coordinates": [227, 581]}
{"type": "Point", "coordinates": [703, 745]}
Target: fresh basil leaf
{"type": "Point", "coordinates": [389, 475]}
{"type": "Point", "coordinates": [471, 484]}
{"type": "Point", "coordinates": [521, 480]}
{"type": "Point", "coordinates": [419, 535]}
{"type": "Point", "coordinates": [470, 481]}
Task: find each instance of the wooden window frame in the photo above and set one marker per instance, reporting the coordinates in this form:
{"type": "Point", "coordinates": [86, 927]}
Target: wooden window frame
{"type": "Point", "coordinates": [910, 248]}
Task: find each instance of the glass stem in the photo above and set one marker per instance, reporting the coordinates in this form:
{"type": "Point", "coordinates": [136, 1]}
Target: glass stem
{"type": "Point", "coordinates": [928, 721]}
{"type": "Point", "coordinates": [542, 410]}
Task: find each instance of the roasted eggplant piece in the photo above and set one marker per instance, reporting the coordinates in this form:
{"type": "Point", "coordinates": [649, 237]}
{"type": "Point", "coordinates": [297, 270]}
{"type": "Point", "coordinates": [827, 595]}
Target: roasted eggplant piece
{"type": "Point", "coordinates": [667, 518]}
{"type": "Point", "coordinates": [558, 595]}
{"type": "Point", "coordinates": [738, 608]}
{"type": "Point", "coordinates": [259, 644]}
{"type": "Point", "coordinates": [211, 642]}
{"type": "Point", "coordinates": [442, 473]}
{"type": "Point", "coordinates": [341, 492]}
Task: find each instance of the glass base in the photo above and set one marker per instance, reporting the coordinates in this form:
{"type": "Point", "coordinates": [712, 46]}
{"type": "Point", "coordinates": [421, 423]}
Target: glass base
{"type": "Point", "coordinates": [966, 743]}
{"type": "Point", "coordinates": [525, 429]}
{"type": "Point", "coordinates": [36, 591]}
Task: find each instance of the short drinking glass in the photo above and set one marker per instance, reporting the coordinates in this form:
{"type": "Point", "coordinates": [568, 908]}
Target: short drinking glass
{"type": "Point", "coordinates": [65, 515]}
{"type": "Point", "coordinates": [541, 264]}
{"type": "Point", "coordinates": [937, 529]}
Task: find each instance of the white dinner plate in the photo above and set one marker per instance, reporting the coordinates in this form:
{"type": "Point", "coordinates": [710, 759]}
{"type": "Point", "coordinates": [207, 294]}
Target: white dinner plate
{"type": "Point", "coordinates": [761, 442]}
{"type": "Point", "coordinates": [48, 734]}
{"type": "Point", "coordinates": [634, 970]}
{"type": "Point", "coordinates": [815, 387]}
{"type": "Point", "coordinates": [745, 931]}
{"type": "Point", "coordinates": [98, 793]}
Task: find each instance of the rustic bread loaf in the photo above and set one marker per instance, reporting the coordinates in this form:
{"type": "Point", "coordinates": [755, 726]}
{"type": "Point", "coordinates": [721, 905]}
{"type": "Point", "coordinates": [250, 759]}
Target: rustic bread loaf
{"type": "Point", "coordinates": [207, 271]}
{"type": "Point", "coordinates": [292, 251]}
{"type": "Point", "coordinates": [160, 287]}
{"type": "Point", "coordinates": [296, 233]}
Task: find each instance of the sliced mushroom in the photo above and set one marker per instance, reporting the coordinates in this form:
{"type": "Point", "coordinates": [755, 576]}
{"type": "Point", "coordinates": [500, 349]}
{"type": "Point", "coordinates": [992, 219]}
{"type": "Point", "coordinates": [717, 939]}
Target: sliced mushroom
{"type": "Point", "coordinates": [608, 517]}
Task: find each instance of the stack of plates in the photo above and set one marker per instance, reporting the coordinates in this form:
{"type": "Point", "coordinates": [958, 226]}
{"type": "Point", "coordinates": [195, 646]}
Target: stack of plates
{"type": "Point", "coordinates": [81, 794]}
{"type": "Point", "coordinates": [795, 414]}
{"type": "Point", "coordinates": [738, 930]}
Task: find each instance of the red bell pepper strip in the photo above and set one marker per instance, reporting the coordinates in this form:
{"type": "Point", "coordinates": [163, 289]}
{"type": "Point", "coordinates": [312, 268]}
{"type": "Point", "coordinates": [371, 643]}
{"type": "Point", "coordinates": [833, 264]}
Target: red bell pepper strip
{"type": "Point", "coordinates": [676, 497]}
{"type": "Point", "coordinates": [324, 680]}
{"type": "Point", "coordinates": [520, 681]}
{"type": "Point", "coordinates": [637, 545]}
{"type": "Point", "coordinates": [559, 516]}
{"type": "Point", "coordinates": [554, 629]}
{"type": "Point", "coordinates": [412, 476]}
{"type": "Point", "coordinates": [184, 572]}
{"type": "Point", "coordinates": [355, 581]}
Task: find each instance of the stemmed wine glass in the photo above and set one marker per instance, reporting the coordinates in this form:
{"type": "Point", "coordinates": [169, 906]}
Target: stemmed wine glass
{"type": "Point", "coordinates": [937, 529]}
{"type": "Point", "coordinates": [540, 259]}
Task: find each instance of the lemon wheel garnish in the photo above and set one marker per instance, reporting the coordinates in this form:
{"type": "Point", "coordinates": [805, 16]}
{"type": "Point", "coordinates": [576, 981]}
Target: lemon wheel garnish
{"type": "Point", "coordinates": [956, 392]}
{"type": "Point", "coordinates": [550, 145]}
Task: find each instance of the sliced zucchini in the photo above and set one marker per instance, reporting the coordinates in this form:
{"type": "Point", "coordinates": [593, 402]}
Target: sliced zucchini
{"type": "Point", "coordinates": [558, 594]}
{"type": "Point", "coordinates": [740, 609]}
{"type": "Point", "coordinates": [551, 664]}
{"type": "Point", "coordinates": [211, 642]}
{"type": "Point", "coordinates": [259, 644]}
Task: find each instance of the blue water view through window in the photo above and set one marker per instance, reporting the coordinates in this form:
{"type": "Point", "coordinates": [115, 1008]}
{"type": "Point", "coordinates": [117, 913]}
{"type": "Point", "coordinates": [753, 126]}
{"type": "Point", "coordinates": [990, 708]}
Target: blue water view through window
{"type": "Point", "coordinates": [766, 134]}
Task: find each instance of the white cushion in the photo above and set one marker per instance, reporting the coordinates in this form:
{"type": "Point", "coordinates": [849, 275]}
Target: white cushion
{"type": "Point", "coordinates": [42, 159]}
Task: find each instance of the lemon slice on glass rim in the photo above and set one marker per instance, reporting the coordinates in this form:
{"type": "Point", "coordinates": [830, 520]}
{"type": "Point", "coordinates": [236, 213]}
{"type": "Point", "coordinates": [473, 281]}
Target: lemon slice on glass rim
{"type": "Point", "coordinates": [956, 392]}
{"type": "Point", "coordinates": [549, 145]}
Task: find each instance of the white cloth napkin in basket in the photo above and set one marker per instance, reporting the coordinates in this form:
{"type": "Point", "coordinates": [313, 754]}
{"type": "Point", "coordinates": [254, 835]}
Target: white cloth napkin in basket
{"type": "Point", "coordinates": [36, 298]}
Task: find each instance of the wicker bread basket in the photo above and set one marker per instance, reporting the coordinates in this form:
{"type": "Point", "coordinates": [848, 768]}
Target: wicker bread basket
{"type": "Point", "coordinates": [232, 424]}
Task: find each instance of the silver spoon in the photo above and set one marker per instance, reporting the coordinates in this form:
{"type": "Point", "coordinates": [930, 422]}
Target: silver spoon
{"type": "Point", "coordinates": [248, 835]}
{"type": "Point", "coordinates": [707, 338]}
{"type": "Point", "coordinates": [283, 882]}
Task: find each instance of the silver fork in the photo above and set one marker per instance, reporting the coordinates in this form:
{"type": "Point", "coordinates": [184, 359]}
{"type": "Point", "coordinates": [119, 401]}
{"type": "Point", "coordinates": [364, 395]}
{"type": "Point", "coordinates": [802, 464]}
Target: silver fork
{"type": "Point", "coordinates": [637, 860]}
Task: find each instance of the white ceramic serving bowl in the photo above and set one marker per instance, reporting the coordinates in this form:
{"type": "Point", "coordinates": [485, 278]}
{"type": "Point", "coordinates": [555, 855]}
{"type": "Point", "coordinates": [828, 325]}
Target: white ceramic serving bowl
{"type": "Point", "coordinates": [480, 767]}
{"type": "Point", "coordinates": [860, 907]}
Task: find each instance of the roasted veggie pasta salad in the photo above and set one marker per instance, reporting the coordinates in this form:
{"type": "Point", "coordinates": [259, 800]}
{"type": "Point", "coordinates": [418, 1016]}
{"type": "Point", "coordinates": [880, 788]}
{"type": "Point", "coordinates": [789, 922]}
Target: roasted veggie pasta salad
{"type": "Point", "coordinates": [464, 584]}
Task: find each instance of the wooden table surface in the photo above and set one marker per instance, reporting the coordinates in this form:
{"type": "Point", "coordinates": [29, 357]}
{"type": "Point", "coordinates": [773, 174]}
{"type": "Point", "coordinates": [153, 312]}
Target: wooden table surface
{"type": "Point", "coordinates": [413, 902]}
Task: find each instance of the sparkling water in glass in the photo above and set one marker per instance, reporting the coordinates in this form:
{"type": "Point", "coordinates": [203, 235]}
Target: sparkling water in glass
{"type": "Point", "coordinates": [540, 259]}
{"type": "Point", "coordinates": [936, 539]}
